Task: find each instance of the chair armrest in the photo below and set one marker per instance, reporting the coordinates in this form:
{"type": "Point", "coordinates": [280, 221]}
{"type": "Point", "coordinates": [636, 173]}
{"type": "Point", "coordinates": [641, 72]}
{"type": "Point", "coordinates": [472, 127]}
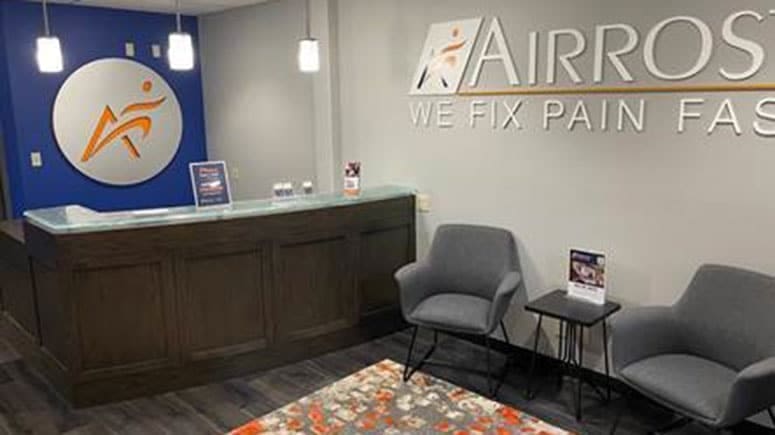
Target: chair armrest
{"type": "Point", "coordinates": [752, 392]}
{"type": "Point", "coordinates": [640, 333]}
{"type": "Point", "coordinates": [502, 299]}
{"type": "Point", "coordinates": [414, 285]}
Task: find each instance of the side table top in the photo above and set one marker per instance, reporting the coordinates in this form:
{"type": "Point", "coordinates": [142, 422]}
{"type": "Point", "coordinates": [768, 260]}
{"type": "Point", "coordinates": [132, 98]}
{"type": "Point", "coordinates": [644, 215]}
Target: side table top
{"type": "Point", "coordinates": [557, 304]}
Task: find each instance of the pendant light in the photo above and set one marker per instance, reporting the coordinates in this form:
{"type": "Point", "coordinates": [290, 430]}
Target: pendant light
{"type": "Point", "coordinates": [309, 48]}
{"type": "Point", "coordinates": [49, 51]}
{"type": "Point", "coordinates": [181, 47]}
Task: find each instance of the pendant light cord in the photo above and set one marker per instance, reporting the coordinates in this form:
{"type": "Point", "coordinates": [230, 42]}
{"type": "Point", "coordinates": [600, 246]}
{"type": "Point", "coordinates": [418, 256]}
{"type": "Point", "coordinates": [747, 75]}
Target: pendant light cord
{"type": "Point", "coordinates": [46, 28]}
{"type": "Point", "coordinates": [177, 16]}
{"type": "Point", "coordinates": [307, 20]}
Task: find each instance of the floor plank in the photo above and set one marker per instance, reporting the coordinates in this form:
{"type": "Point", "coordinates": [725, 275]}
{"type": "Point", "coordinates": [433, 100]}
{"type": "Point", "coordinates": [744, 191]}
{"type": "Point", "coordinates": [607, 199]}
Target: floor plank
{"type": "Point", "coordinates": [29, 406]}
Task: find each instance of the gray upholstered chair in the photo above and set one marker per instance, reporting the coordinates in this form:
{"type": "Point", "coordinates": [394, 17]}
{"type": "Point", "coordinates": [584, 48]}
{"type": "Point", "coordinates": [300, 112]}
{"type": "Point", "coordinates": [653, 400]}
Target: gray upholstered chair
{"type": "Point", "coordinates": [711, 356]}
{"type": "Point", "coordinates": [464, 286]}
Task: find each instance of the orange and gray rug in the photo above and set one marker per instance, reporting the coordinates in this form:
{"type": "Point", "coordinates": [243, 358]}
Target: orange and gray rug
{"type": "Point", "coordinates": [377, 401]}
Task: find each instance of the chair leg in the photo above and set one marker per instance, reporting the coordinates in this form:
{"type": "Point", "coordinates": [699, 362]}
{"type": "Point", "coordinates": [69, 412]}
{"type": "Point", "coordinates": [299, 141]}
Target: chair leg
{"type": "Point", "coordinates": [409, 354]}
{"type": "Point", "coordinates": [626, 397]}
{"type": "Point", "coordinates": [677, 424]}
{"type": "Point", "coordinates": [408, 369]}
{"type": "Point", "coordinates": [530, 393]}
{"type": "Point", "coordinates": [505, 334]}
{"type": "Point", "coordinates": [490, 389]}
{"type": "Point", "coordinates": [510, 361]}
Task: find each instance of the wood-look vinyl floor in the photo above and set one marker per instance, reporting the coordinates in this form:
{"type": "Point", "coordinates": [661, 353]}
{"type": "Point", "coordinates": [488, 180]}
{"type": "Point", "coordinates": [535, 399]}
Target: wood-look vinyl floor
{"type": "Point", "coordinates": [29, 406]}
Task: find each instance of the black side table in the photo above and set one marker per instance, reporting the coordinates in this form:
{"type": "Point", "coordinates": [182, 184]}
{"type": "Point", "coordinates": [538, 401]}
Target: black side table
{"type": "Point", "coordinates": [574, 316]}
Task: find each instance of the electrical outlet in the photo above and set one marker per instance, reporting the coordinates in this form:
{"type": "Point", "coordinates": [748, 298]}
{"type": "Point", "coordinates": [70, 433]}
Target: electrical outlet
{"type": "Point", "coordinates": [424, 203]}
{"type": "Point", "coordinates": [129, 49]}
{"type": "Point", "coordinates": [36, 159]}
{"type": "Point", "coordinates": [156, 51]}
{"type": "Point", "coordinates": [235, 173]}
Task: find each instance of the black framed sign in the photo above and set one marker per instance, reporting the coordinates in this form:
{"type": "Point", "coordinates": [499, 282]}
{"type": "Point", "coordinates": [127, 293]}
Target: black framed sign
{"type": "Point", "coordinates": [210, 181]}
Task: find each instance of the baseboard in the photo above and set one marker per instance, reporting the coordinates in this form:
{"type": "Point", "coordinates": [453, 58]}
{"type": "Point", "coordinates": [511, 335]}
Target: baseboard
{"type": "Point", "coordinates": [545, 363]}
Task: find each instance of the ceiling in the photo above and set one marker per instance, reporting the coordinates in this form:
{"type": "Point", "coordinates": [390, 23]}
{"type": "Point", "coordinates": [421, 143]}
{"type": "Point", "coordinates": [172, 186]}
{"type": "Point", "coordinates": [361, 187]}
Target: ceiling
{"type": "Point", "coordinates": [188, 7]}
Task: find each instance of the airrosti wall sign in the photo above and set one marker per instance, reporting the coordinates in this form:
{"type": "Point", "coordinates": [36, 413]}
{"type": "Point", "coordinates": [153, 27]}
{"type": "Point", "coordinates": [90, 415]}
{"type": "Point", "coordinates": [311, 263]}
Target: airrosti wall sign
{"type": "Point", "coordinates": [588, 66]}
{"type": "Point", "coordinates": [117, 121]}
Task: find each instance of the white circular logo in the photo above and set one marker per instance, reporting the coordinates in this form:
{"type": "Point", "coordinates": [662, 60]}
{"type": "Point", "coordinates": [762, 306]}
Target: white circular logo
{"type": "Point", "coordinates": [117, 121]}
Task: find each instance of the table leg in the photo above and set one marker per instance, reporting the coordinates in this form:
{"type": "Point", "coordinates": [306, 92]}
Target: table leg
{"type": "Point", "coordinates": [579, 373]}
{"type": "Point", "coordinates": [605, 355]}
{"type": "Point", "coordinates": [570, 345]}
{"type": "Point", "coordinates": [535, 355]}
{"type": "Point", "coordinates": [561, 354]}
{"type": "Point", "coordinates": [559, 347]}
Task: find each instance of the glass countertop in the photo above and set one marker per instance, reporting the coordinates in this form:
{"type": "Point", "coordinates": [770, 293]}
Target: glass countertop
{"type": "Point", "coordinates": [73, 219]}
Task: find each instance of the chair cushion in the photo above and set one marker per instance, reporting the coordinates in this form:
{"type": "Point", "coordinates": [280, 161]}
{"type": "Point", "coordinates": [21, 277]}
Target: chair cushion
{"type": "Point", "coordinates": [453, 312]}
{"type": "Point", "coordinates": [691, 385]}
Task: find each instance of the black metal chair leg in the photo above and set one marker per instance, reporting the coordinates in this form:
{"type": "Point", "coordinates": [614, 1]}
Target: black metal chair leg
{"type": "Point", "coordinates": [408, 369]}
{"type": "Point", "coordinates": [677, 424]}
{"type": "Point", "coordinates": [626, 396]}
{"type": "Point", "coordinates": [510, 355]}
{"type": "Point", "coordinates": [408, 363]}
{"type": "Point", "coordinates": [510, 361]}
{"type": "Point", "coordinates": [490, 389]}
{"type": "Point", "coordinates": [505, 334]}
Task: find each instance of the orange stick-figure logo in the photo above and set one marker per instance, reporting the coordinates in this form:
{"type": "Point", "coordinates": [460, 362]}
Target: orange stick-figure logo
{"type": "Point", "coordinates": [100, 139]}
{"type": "Point", "coordinates": [447, 58]}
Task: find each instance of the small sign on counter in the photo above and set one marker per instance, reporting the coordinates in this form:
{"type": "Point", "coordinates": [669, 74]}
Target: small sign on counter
{"type": "Point", "coordinates": [210, 181]}
{"type": "Point", "coordinates": [352, 179]}
{"type": "Point", "coordinates": [586, 276]}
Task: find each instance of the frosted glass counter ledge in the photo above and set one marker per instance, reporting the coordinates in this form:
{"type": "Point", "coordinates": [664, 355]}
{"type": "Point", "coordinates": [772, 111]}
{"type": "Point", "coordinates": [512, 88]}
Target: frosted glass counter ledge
{"type": "Point", "coordinates": [75, 219]}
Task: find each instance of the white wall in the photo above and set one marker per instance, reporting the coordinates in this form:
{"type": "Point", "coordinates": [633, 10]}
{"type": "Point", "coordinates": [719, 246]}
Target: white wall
{"type": "Point", "coordinates": [258, 106]}
{"type": "Point", "coordinates": [658, 202]}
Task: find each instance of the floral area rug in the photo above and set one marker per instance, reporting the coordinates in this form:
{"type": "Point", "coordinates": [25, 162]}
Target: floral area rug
{"type": "Point", "coordinates": [377, 401]}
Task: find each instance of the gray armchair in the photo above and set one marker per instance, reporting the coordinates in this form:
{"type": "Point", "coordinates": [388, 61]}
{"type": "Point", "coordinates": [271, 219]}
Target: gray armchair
{"type": "Point", "coordinates": [464, 286]}
{"type": "Point", "coordinates": [711, 356]}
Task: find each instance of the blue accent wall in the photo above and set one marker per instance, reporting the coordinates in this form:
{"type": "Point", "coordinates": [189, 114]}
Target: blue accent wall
{"type": "Point", "coordinates": [86, 34]}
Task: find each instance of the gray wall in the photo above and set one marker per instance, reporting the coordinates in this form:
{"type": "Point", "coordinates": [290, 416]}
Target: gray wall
{"type": "Point", "coordinates": [658, 203]}
{"type": "Point", "coordinates": [258, 106]}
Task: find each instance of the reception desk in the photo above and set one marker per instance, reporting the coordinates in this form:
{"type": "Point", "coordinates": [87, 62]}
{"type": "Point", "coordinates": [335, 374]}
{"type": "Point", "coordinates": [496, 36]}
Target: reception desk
{"type": "Point", "coordinates": [135, 303]}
